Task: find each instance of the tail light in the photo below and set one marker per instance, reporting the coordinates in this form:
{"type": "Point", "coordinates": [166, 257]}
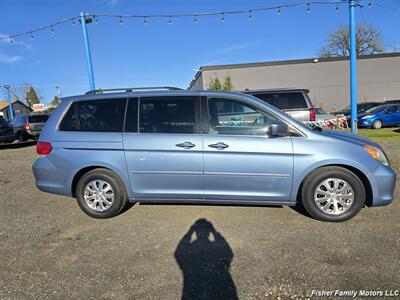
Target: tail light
{"type": "Point", "coordinates": [312, 114]}
{"type": "Point", "coordinates": [27, 127]}
{"type": "Point", "coordinates": [43, 148]}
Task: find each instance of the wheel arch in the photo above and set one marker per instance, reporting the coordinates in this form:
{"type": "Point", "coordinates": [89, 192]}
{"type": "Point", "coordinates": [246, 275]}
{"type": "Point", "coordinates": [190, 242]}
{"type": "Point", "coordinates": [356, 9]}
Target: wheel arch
{"type": "Point", "coordinates": [360, 174]}
{"type": "Point", "coordinates": [78, 175]}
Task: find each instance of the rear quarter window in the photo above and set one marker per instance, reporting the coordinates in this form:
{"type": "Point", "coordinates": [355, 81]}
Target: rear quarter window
{"type": "Point", "coordinates": [95, 116]}
{"type": "Point", "coordinates": [295, 100]}
{"type": "Point", "coordinates": [38, 119]}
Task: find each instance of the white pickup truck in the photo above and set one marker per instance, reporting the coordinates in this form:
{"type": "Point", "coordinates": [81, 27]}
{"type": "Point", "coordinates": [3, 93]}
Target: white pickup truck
{"type": "Point", "coordinates": [294, 102]}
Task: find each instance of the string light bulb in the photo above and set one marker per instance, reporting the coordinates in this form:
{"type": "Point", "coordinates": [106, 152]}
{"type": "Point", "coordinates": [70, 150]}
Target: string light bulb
{"type": "Point", "coordinates": [31, 36]}
{"type": "Point", "coordinates": [195, 19]}
{"type": "Point", "coordinates": [96, 21]}
{"type": "Point", "coordinates": [279, 11]}
{"type": "Point", "coordinates": [250, 16]}
{"type": "Point", "coordinates": [73, 22]}
{"type": "Point", "coordinates": [222, 18]}
{"type": "Point", "coordinates": [169, 20]}
{"type": "Point", "coordinates": [369, 4]}
{"type": "Point", "coordinates": [337, 7]}
{"type": "Point", "coordinates": [11, 40]}
{"type": "Point", "coordinates": [120, 20]}
{"type": "Point", "coordinates": [145, 21]}
{"type": "Point", "coordinates": [51, 29]}
{"type": "Point", "coordinates": [308, 8]}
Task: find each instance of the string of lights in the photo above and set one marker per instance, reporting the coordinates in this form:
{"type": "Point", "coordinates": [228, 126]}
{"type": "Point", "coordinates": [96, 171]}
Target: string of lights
{"type": "Point", "coordinates": [94, 17]}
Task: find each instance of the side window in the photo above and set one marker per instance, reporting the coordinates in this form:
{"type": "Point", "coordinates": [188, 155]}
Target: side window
{"type": "Point", "coordinates": [391, 109]}
{"type": "Point", "coordinates": [233, 117]}
{"type": "Point", "coordinates": [95, 115]}
{"type": "Point", "coordinates": [167, 115]}
{"type": "Point", "coordinates": [131, 118]}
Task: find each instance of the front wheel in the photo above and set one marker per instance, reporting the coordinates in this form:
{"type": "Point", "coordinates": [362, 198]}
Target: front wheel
{"type": "Point", "coordinates": [377, 124]}
{"type": "Point", "coordinates": [101, 194]}
{"type": "Point", "coordinates": [333, 194]}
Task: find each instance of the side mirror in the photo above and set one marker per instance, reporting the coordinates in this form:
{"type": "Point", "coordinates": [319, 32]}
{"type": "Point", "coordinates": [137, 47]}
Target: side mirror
{"type": "Point", "coordinates": [278, 129]}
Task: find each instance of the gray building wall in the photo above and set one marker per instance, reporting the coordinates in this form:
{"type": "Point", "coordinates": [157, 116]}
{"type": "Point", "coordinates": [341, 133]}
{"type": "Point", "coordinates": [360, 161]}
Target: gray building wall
{"type": "Point", "coordinates": [327, 79]}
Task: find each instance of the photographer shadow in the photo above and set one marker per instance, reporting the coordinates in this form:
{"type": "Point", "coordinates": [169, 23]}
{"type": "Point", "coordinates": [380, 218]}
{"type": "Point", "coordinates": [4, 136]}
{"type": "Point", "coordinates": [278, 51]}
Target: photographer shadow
{"type": "Point", "coordinates": [204, 257]}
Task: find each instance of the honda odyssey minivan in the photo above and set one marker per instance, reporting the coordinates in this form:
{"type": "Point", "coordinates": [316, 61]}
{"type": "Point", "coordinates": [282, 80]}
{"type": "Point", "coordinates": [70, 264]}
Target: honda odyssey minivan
{"type": "Point", "coordinates": [111, 147]}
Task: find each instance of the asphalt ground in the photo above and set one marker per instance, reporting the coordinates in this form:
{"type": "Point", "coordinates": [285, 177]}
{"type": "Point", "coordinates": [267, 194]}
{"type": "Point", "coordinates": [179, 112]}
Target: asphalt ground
{"type": "Point", "coordinates": [50, 249]}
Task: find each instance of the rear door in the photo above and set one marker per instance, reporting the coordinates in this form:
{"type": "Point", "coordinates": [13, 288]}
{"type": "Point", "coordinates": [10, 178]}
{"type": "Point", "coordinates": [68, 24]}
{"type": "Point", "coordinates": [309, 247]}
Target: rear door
{"type": "Point", "coordinates": [240, 161]}
{"type": "Point", "coordinates": [163, 148]}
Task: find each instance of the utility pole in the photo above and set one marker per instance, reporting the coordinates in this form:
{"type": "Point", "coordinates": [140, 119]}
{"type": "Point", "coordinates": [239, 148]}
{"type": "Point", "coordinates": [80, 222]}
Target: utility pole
{"type": "Point", "coordinates": [353, 66]}
{"type": "Point", "coordinates": [7, 87]}
{"type": "Point", "coordinates": [87, 50]}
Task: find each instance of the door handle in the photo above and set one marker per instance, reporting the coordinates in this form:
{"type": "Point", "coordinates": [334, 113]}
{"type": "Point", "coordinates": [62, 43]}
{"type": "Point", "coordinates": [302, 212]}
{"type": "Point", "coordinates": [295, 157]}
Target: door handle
{"type": "Point", "coordinates": [186, 145]}
{"type": "Point", "coordinates": [219, 146]}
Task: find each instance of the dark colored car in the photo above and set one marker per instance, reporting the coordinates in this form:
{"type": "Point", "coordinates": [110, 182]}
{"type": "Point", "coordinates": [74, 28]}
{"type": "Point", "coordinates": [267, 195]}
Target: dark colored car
{"type": "Point", "coordinates": [294, 102]}
{"type": "Point", "coordinates": [6, 132]}
{"type": "Point", "coordinates": [29, 126]}
{"type": "Point", "coordinates": [361, 108]}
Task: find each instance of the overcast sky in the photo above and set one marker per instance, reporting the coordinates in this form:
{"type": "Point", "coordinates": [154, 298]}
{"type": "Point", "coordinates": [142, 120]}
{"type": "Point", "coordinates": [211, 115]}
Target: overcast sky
{"type": "Point", "coordinates": [132, 54]}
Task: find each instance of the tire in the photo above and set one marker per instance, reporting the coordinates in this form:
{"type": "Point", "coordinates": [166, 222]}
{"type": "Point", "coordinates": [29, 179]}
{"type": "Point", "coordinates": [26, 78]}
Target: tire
{"type": "Point", "coordinates": [21, 137]}
{"type": "Point", "coordinates": [99, 205]}
{"type": "Point", "coordinates": [340, 206]}
{"type": "Point", "coordinates": [378, 124]}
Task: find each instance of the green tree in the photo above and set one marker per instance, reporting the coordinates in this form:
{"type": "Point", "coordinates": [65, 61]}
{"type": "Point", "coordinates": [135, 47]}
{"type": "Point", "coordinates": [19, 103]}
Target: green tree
{"type": "Point", "coordinates": [368, 41]}
{"type": "Point", "coordinates": [228, 85]}
{"type": "Point", "coordinates": [56, 101]}
{"type": "Point", "coordinates": [215, 84]}
{"type": "Point", "coordinates": [31, 96]}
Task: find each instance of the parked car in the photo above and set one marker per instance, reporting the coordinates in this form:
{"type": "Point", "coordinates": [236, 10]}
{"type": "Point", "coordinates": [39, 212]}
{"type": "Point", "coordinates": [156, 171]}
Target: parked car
{"type": "Point", "coordinates": [29, 126]}
{"type": "Point", "coordinates": [361, 108]}
{"type": "Point", "coordinates": [6, 131]}
{"type": "Point", "coordinates": [110, 148]}
{"type": "Point", "coordinates": [294, 102]}
{"type": "Point", "coordinates": [377, 117]}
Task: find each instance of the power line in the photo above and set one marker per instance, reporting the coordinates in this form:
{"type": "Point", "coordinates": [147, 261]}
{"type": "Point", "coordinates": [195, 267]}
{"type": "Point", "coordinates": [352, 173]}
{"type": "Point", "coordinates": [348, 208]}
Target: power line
{"type": "Point", "coordinates": [94, 17]}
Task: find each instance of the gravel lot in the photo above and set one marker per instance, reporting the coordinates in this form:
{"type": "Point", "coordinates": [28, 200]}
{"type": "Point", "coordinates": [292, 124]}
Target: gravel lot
{"type": "Point", "coordinates": [50, 249]}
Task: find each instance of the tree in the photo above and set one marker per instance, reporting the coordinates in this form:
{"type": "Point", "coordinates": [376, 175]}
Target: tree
{"type": "Point", "coordinates": [56, 101]}
{"type": "Point", "coordinates": [31, 96]}
{"type": "Point", "coordinates": [228, 85]}
{"type": "Point", "coordinates": [368, 41]}
{"type": "Point", "coordinates": [215, 84]}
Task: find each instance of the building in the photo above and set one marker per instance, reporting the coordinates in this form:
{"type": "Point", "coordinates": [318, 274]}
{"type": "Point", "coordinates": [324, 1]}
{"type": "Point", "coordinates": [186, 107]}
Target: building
{"type": "Point", "coordinates": [328, 79]}
{"type": "Point", "coordinates": [19, 108]}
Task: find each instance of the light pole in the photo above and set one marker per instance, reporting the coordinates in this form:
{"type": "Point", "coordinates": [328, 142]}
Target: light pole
{"type": "Point", "coordinates": [353, 66]}
{"type": "Point", "coordinates": [87, 50]}
{"type": "Point", "coordinates": [7, 87]}
{"type": "Point", "coordinates": [58, 91]}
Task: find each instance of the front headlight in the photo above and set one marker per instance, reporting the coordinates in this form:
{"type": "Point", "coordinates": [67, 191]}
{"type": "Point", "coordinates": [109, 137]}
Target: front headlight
{"type": "Point", "coordinates": [367, 117]}
{"type": "Point", "coordinates": [377, 154]}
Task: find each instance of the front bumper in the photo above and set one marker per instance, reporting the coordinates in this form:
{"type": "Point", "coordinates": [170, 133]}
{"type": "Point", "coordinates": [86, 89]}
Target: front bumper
{"type": "Point", "coordinates": [365, 123]}
{"type": "Point", "coordinates": [383, 181]}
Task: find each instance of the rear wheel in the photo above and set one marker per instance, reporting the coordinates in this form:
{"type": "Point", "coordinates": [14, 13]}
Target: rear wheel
{"type": "Point", "coordinates": [377, 124]}
{"type": "Point", "coordinates": [101, 194]}
{"type": "Point", "coordinates": [333, 194]}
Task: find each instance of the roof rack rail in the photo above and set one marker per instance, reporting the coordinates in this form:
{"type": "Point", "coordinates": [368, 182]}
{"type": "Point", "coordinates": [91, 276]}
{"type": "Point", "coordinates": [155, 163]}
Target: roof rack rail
{"type": "Point", "coordinates": [128, 90]}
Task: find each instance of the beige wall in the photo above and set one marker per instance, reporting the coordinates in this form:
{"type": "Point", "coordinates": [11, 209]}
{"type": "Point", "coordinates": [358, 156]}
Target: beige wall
{"type": "Point", "coordinates": [328, 82]}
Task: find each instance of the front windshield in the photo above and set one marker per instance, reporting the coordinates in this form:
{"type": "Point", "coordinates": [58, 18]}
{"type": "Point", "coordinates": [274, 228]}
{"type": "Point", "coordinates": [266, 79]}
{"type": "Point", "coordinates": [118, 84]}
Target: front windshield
{"type": "Point", "coordinates": [375, 110]}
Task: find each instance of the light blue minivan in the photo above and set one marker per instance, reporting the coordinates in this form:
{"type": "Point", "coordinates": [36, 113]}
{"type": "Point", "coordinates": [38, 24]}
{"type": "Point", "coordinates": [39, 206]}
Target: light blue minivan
{"type": "Point", "coordinates": [155, 145]}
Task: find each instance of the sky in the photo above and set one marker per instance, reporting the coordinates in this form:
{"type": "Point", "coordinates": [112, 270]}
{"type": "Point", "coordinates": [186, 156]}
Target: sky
{"type": "Point", "coordinates": [131, 54]}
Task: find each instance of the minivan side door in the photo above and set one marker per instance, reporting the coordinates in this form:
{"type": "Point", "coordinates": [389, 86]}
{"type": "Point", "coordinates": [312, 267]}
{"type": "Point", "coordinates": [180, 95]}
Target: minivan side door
{"type": "Point", "coordinates": [162, 148]}
{"type": "Point", "coordinates": [240, 161]}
